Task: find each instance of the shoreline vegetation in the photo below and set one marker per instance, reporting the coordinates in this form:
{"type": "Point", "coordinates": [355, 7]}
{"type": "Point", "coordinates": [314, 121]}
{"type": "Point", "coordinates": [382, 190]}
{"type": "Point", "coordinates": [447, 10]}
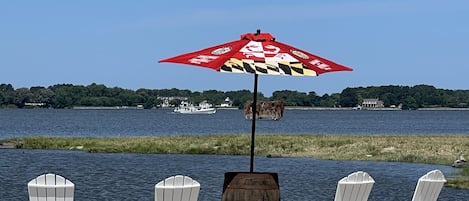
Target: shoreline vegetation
{"type": "Point", "coordinates": [67, 96]}
{"type": "Point", "coordinates": [429, 149]}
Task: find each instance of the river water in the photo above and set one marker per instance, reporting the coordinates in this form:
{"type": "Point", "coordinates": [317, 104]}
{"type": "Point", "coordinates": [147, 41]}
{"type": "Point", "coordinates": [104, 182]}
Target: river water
{"type": "Point", "coordinates": [111, 123]}
{"type": "Point", "coordinates": [133, 176]}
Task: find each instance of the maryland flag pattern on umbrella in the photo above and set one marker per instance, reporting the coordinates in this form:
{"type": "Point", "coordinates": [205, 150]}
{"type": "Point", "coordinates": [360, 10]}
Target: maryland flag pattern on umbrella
{"type": "Point", "coordinates": [259, 54]}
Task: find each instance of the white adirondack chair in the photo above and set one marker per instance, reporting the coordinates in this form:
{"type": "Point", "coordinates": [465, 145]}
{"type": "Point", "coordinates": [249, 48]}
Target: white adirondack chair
{"type": "Point", "coordinates": [50, 187]}
{"type": "Point", "coordinates": [429, 186]}
{"type": "Point", "coordinates": [355, 187]}
{"type": "Point", "coordinates": [177, 188]}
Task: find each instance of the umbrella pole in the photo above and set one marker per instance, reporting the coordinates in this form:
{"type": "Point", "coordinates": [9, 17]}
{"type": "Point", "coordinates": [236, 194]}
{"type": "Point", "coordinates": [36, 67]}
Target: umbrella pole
{"type": "Point", "coordinates": [253, 129]}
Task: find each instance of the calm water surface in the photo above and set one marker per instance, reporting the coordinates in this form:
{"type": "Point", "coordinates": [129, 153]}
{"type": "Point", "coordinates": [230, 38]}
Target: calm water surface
{"type": "Point", "coordinates": [133, 176]}
{"type": "Point", "coordinates": [15, 123]}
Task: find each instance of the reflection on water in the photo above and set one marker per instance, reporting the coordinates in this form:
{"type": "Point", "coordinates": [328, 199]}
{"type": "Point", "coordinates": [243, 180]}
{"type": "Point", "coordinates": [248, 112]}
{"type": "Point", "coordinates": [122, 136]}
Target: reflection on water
{"type": "Point", "coordinates": [133, 176]}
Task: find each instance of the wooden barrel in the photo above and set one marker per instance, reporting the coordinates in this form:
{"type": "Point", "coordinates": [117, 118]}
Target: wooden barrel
{"type": "Point", "coordinates": [245, 186]}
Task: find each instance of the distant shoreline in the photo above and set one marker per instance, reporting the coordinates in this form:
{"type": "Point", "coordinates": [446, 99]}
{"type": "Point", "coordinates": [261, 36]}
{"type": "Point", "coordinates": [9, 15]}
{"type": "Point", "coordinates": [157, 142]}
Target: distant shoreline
{"type": "Point", "coordinates": [236, 108]}
{"type": "Point", "coordinates": [444, 108]}
{"type": "Point", "coordinates": [372, 109]}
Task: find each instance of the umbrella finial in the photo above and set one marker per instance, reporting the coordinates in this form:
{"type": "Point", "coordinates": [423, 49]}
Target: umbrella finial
{"type": "Point", "coordinates": [258, 31]}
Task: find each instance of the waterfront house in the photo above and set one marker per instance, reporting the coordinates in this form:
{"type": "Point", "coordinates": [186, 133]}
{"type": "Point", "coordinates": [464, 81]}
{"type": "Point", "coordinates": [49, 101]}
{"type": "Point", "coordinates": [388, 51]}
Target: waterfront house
{"type": "Point", "coordinates": [372, 103]}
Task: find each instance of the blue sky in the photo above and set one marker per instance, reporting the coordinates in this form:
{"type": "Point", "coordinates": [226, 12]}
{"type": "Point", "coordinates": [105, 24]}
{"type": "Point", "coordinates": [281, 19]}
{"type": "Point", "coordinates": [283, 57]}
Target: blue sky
{"type": "Point", "coordinates": [118, 43]}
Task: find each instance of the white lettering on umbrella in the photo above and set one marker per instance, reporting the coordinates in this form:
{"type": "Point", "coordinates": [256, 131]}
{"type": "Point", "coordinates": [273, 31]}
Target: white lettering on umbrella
{"type": "Point", "coordinates": [320, 65]}
{"type": "Point", "coordinates": [221, 50]}
{"type": "Point", "coordinates": [270, 49]}
{"type": "Point", "coordinates": [202, 59]}
{"type": "Point", "coordinates": [253, 48]}
{"type": "Point", "coordinates": [282, 57]}
{"type": "Point", "coordinates": [300, 54]}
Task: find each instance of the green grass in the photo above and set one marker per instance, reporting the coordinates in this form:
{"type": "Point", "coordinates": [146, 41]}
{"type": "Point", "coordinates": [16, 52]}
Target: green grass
{"type": "Point", "coordinates": [433, 149]}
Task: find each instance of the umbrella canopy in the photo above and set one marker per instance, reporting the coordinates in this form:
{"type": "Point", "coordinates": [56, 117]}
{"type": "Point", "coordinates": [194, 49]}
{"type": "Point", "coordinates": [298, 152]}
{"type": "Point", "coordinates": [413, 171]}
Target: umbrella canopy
{"type": "Point", "coordinates": [259, 54]}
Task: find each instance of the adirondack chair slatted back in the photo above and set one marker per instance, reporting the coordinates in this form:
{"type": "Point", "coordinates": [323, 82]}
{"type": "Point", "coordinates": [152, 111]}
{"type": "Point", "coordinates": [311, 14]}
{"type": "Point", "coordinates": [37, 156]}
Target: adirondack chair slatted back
{"type": "Point", "coordinates": [429, 186]}
{"type": "Point", "coordinates": [177, 188]}
{"type": "Point", "coordinates": [50, 187]}
{"type": "Point", "coordinates": [355, 187]}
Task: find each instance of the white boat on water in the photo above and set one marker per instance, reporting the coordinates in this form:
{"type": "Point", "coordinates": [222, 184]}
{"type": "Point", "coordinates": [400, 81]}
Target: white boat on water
{"type": "Point", "coordinates": [188, 108]}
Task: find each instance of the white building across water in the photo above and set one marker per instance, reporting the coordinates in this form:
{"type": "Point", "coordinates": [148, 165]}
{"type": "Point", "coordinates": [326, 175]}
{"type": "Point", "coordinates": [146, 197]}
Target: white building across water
{"type": "Point", "coordinates": [372, 103]}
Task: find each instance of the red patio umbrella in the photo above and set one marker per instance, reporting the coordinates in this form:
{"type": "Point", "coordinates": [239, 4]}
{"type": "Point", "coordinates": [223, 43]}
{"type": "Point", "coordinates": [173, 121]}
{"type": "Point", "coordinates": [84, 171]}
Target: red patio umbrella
{"type": "Point", "coordinates": [259, 54]}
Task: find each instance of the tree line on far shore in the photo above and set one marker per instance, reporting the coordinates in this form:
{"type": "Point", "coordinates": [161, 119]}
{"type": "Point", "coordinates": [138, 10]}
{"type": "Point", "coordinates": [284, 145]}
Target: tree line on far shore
{"type": "Point", "coordinates": [98, 95]}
